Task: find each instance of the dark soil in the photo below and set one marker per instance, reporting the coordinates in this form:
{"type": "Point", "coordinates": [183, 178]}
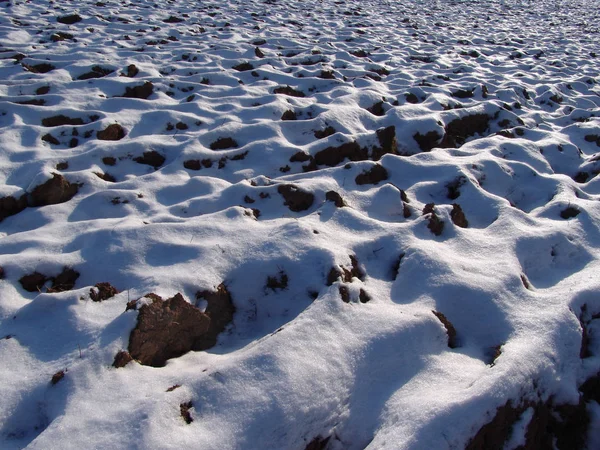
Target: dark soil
{"type": "Point", "coordinates": [220, 310]}
{"type": "Point", "coordinates": [427, 141]}
{"type": "Point", "coordinates": [336, 198]}
{"type": "Point", "coordinates": [223, 144]}
{"type": "Point", "coordinates": [33, 102]}
{"type": "Point", "coordinates": [377, 109]}
{"type": "Point", "coordinates": [333, 275]}
{"type": "Point", "coordinates": [295, 198]}
{"type": "Point", "coordinates": [96, 72]}
{"type": "Point", "coordinates": [65, 281]}
{"type": "Point", "coordinates": [327, 131]}
{"type": "Point", "coordinates": [411, 98]}
{"type": "Point", "coordinates": [60, 36]}
{"type": "Point", "coordinates": [142, 92]}
{"type": "Point", "coordinates": [9, 206]}
{"type": "Point", "coordinates": [57, 377]}
{"type": "Point", "coordinates": [109, 160]}
{"type": "Point", "coordinates": [102, 291]}
{"type": "Point", "coordinates": [318, 443]}
{"type": "Point", "coordinates": [151, 158]}
{"type": "Point", "coordinates": [114, 132]}
{"type": "Point", "coordinates": [54, 191]}
{"type": "Point", "coordinates": [463, 93]}
{"type": "Point", "coordinates": [242, 67]}
{"type": "Point", "coordinates": [122, 359]}
{"type": "Point", "coordinates": [184, 409]}
{"type": "Point", "coordinates": [39, 68]}
{"type": "Point", "coordinates": [453, 187]}
{"type": "Point", "coordinates": [167, 329]}
{"type": "Point", "coordinates": [435, 225]}
{"type": "Point", "coordinates": [332, 156]}
{"type": "Point", "coordinates": [363, 296]}
{"type": "Point", "coordinates": [450, 330]}
{"type": "Point", "coordinates": [289, 115]}
{"type": "Point", "coordinates": [42, 90]}
{"type": "Point", "coordinates": [131, 71]}
{"type": "Point", "coordinates": [458, 216]}
{"type": "Point", "coordinates": [287, 90]}
{"type": "Point", "coordinates": [192, 164]}
{"type": "Point", "coordinates": [50, 139]}
{"type": "Point", "coordinates": [33, 282]}
{"type": "Point", "coordinates": [57, 121]}
{"type": "Point", "coordinates": [374, 175]}
{"type": "Point", "coordinates": [345, 294]}
{"type": "Point", "coordinates": [300, 157]}
{"type": "Point", "coordinates": [69, 19]}
{"type": "Point", "coordinates": [459, 130]}
{"type": "Point", "coordinates": [173, 19]}
{"type": "Point", "coordinates": [387, 141]}
{"type": "Point", "coordinates": [569, 212]}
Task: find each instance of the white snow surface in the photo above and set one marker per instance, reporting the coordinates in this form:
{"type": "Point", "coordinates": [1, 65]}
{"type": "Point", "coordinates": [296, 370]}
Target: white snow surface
{"type": "Point", "coordinates": [298, 363]}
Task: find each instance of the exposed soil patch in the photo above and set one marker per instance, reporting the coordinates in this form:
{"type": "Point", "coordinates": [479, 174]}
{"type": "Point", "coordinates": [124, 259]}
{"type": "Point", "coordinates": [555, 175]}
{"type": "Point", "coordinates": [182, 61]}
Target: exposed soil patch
{"type": "Point", "coordinates": [151, 158]}
{"type": "Point", "coordinates": [345, 294]}
{"type": "Point", "coordinates": [102, 291]}
{"type": "Point", "coordinates": [57, 377]}
{"type": "Point", "coordinates": [60, 36]}
{"type": "Point", "coordinates": [39, 68]}
{"type": "Point", "coordinates": [65, 281]}
{"type": "Point", "coordinates": [427, 141]}
{"type": "Point", "coordinates": [173, 19]}
{"type": "Point", "coordinates": [142, 91]}
{"type": "Point", "coordinates": [131, 71]}
{"type": "Point", "coordinates": [459, 130]}
{"type": "Point", "coordinates": [9, 206]}
{"type": "Point", "coordinates": [184, 409]}
{"type": "Point", "coordinates": [300, 157]}
{"type": "Point", "coordinates": [377, 109]}
{"type": "Point", "coordinates": [167, 329]}
{"type": "Point", "coordinates": [327, 131]}
{"type": "Point", "coordinates": [363, 296]}
{"type": "Point", "coordinates": [374, 175]}
{"type": "Point", "coordinates": [57, 121]}
{"type": "Point", "coordinates": [122, 359]}
{"type": "Point", "coordinates": [242, 67]}
{"type": "Point", "coordinates": [42, 90]}
{"type": "Point", "coordinates": [289, 115]}
{"type": "Point", "coordinates": [54, 191]}
{"type": "Point", "coordinates": [336, 198]}
{"type": "Point", "coordinates": [96, 72]}
{"type": "Point", "coordinates": [192, 164]}
{"type": "Point", "coordinates": [569, 212]}
{"type": "Point", "coordinates": [114, 132]}
{"type": "Point", "coordinates": [435, 224]}
{"type": "Point", "coordinates": [450, 330]}
{"type": "Point", "coordinates": [50, 139]}
{"type": "Point", "coordinates": [220, 311]}
{"type": "Point", "coordinates": [33, 282]}
{"type": "Point", "coordinates": [287, 90]}
{"type": "Point", "coordinates": [109, 160]}
{"type": "Point", "coordinates": [332, 156]}
{"type": "Point", "coordinates": [458, 216]}
{"type": "Point", "coordinates": [69, 19]}
{"type": "Point", "coordinates": [295, 198]}
{"type": "Point", "coordinates": [223, 144]}
{"type": "Point", "coordinates": [387, 142]}
{"type": "Point", "coordinates": [453, 187]}
{"type": "Point", "coordinates": [33, 102]}
{"type": "Point", "coordinates": [396, 266]}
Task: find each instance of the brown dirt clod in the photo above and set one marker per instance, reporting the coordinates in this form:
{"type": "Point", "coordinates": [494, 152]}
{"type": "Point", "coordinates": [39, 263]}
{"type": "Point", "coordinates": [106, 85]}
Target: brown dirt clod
{"type": "Point", "coordinates": [113, 132]}
{"type": "Point", "coordinates": [363, 296]}
{"type": "Point", "coordinates": [377, 109]}
{"type": "Point", "coordinates": [50, 139]}
{"type": "Point", "coordinates": [295, 198]}
{"type": "Point", "coordinates": [54, 191]}
{"type": "Point", "coordinates": [287, 90]}
{"type": "Point", "coordinates": [131, 71]}
{"type": "Point", "coordinates": [345, 294]}
{"type": "Point", "coordinates": [336, 198]}
{"type": "Point", "coordinates": [332, 156]}
{"type": "Point", "coordinates": [102, 291]}
{"type": "Point", "coordinates": [33, 282]}
{"type": "Point", "coordinates": [192, 164]}
{"type": "Point", "coordinates": [326, 132]}
{"type": "Point", "coordinates": [435, 224]}
{"type": "Point", "coordinates": [39, 68]}
{"type": "Point", "coordinates": [450, 330]}
{"type": "Point", "coordinates": [220, 310]}
{"type": "Point", "coordinates": [427, 141]}
{"type": "Point", "coordinates": [57, 377]}
{"type": "Point", "coordinates": [289, 115]}
{"type": "Point", "coordinates": [9, 206]}
{"type": "Point", "coordinates": [458, 216]}
{"type": "Point", "coordinates": [142, 91]}
{"type": "Point", "coordinates": [374, 175]}
{"type": "Point", "coordinates": [57, 121]}
{"type": "Point", "coordinates": [184, 409]}
{"type": "Point", "coordinates": [69, 19]}
{"type": "Point", "coordinates": [459, 130]}
{"type": "Point", "coordinates": [167, 329]}
{"type": "Point", "coordinates": [223, 144]}
{"type": "Point", "coordinates": [387, 141]}
{"type": "Point", "coordinates": [65, 281]}
{"type": "Point", "coordinates": [122, 358]}
{"type": "Point", "coordinates": [151, 158]}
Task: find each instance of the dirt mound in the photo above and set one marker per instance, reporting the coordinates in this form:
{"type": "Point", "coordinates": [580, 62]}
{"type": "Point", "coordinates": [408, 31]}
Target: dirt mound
{"type": "Point", "coordinates": [9, 206]}
{"type": "Point", "coordinates": [450, 330]}
{"type": "Point", "coordinates": [223, 144]}
{"type": "Point", "coordinates": [332, 156]}
{"type": "Point", "coordinates": [336, 198]}
{"type": "Point", "coordinates": [326, 132]}
{"type": "Point", "coordinates": [435, 224]}
{"type": "Point", "coordinates": [287, 90]}
{"type": "Point", "coordinates": [131, 71]}
{"type": "Point", "coordinates": [54, 191]}
{"type": "Point", "coordinates": [220, 310]}
{"type": "Point", "coordinates": [69, 19]}
{"type": "Point", "coordinates": [289, 115]}
{"type": "Point", "coordinates": [427, 141]}
{"type": "Point", "coordinates": [142, 92]}
{"type": "Point", "coordinates": [387, 141]}
{"type": "Point", "coordinates": [65, 281]}
{"type": "Point", "coordinates": [96, 72]}
{"type": "Point", "coordinates": [296, 199]}
{"type": "Point", "coordinates": [184, 410]}
{"type": "Point", "coordinates": [377, 109]}
{"type": "Point", "coordinates": [151, 158]}
{"type": "Point", "coordinates": [102, 291]}
{"type": "Point", "coordinates": [167, 329]}
{"type": "Point", "coordinates": [459, 130]}
{"type": "Point", "coordinates": [242, 67]}
{"type": "Point", "coordinates": [57, 377]}
{"type": "Point", "coordinates": [39, 68]}
{"type": "Point", "coordinates": [50, 139]}
{"type": "Point", "coordinates": [374, 175]}
{"type": "Point", "coordinates": [57, 121]}
{"type": "Point", "coordinates": [458, 216]}
{"type": "Point", "coordinates": [192, 164]}
{"type": "Point", "coordinates": [114, 132]}
{"type": "Point", "coordinates": [122, 359]}
{"type": "Point", "coordinates": [33, 282]}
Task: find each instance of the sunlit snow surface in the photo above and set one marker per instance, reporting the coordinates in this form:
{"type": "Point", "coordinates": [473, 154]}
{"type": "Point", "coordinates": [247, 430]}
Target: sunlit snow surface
{"type": "Point", "coordinates": [290, 367]}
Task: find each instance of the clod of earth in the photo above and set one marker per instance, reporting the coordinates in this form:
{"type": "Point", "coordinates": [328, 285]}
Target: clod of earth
{"type": "Point", "coordinates": [172, 19]}
{"type": "Point", "coordinates": [387, 141]}
{"type": "Point", "coordinates": [459, 130]}
{"type": "Point", "coordinates": [42, 90]}
{"type": "Point", "coordinates": [336, 198]}
{"type": "Point", "coordinates": [69, 19]}
{"type": "Point", "coordinates": [167, 329]}
{"type": "Point", "coordinates": [50, 139]}
{"type": "Point", "coordinates": [396, 266]}
{"type": "Point", "coordinates": [450, 330]}
{"type": "Point", "coordinates": [109, 160]}
{"type": "Point", "coordinates": [57, 377]}
{"type": "Point", "coordinates": [131, 71]}
{"type": "Point", "coordinates": [96, 72]}
{"type": "Point", "coordinates": [192, 164]}
{"type": "Point", "coordinates": [39, 68]}
{"type": "Point", "coordinates": [374, 175]}
{"type": "Point", "coordinates": [223, 144]}
{"type": "Point", "coordinates": [289, 115]}
{"type": "Point", "coordinates": [122, 358]}
{"type": "Point", "coordinates": [184, 409]}
{"type": "Point", "coordinates": [243, 67]}
{"type": "Point", "coordinates": [345, 294]}
{"type": "Point", "coordinates": [57, 121]}
{"type": "Point", "coordinates": [427, 141]}
{"type": "Point", "coordinates": [458, 216]}
{"type": "Point", "coordinates": [33, 102]}
{"type": "Point", "coordinates": [151, 158]}
{"type": "Point", "coordinates": [54, 191]}
{"type": "Point", "coordinates": [435, 224]}
{"type": "Point", "coordinates": [106, 177]}
{"type": "Point", "coordinates": [113, 132]}
{"type": "Point", "coordinates": [300, 157]}
{"type": "Point", "coordinates": [363, 296]}
{"type": "Point", "coordinates": [411, 98]}
{"type": "Point", "coordinates": [9, 206]}
{"type": "Point", "coordinates": [287, 90]}
{"type": "Point", "coordinates": [377, 109]}
{"type": "Point", "coordinates": [332, 156]}
{"type": "Point", "coordinates": [453, 187]}
{"type": "Point", "coordinates": [65, 281]}
{"type": "Point", "coordinates": [142, 91]}
{"type": "Point", "coordinates": [295, 198]}
{"type": "Point", "coordinates": [60, 36]}
{"type": "Point", "coordinates": [463, 93]}
{"type": "Point", "coordinates": [33, 282]}
{"type": "Point", "coordinates": [102, 291]}
{"type": "Point", "coordinates": [569, 212]}
{"type": "Point", "coordinates": [326, 132]}
{"type": "Point", "coordinates": [220, 310]}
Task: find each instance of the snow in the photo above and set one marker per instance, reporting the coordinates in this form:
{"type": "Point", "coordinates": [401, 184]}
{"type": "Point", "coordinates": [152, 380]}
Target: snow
{"type": "Point", "coordinates": [297, 362]}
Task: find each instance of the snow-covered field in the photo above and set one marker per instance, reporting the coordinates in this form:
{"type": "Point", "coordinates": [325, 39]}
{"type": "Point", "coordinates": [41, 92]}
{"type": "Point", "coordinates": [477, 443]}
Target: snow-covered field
{"type": "Point", "coordinates": [385, 215]}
